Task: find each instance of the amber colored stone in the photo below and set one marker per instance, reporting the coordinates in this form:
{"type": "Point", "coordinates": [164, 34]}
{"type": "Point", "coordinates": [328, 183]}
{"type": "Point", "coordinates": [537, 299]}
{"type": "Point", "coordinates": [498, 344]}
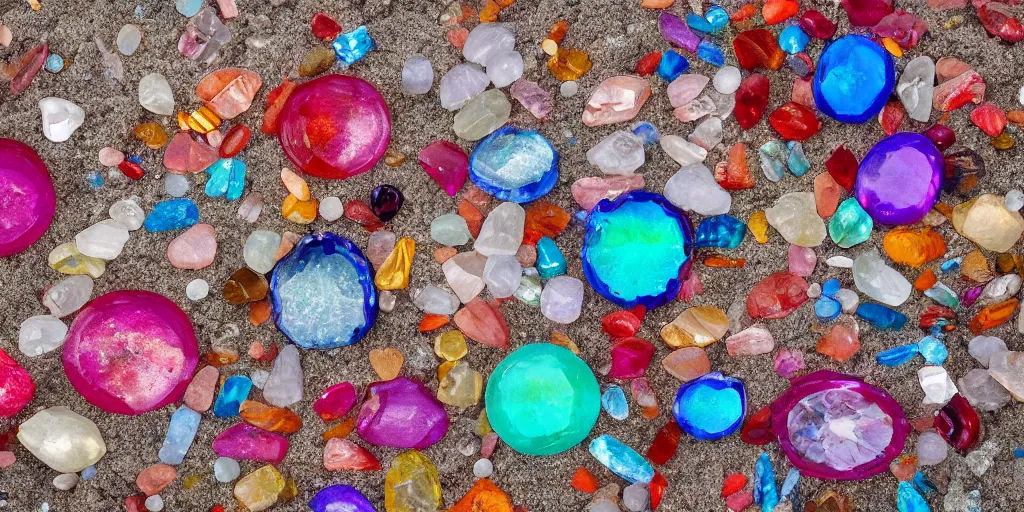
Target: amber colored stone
{"type": "Point", "coordinates": [317, 60]}
{"type": "Point", "coordinates": [235, 141]}
{"type": "Point", "coordinates": [993, 316]}
{"type": "Point", "coordinates": [736, 173]}
{"type": "Point", "coordinates": [648, 64]}
{"type": "Point", "coordinates": [777, 11]}
{"type": "Point", "coordinates": [443, 254]}
{"type": "Point", "coordinates": [758, 48]}
{"type": "Point", "coordinates": [892, 47]}
{"type": "Point", "coordinates": [274, 419]}
{"type": "Point", "coordinates": [794, 121]}
{"type": "Point", "coordinates": [758, 226]}
{"type": "Point", "coordinates": [221, 356]}
{"type": "Point", "coordinates": [182, 119]}
{"type": "Point", "coordinates": [275, 103]}
{"type": "Point", "coordinates": [585, 481]}
{"type": "Point", "coordinates": [544, 218]}
{"type": "Point", "coordinates": [259, 312]}
{"type": "Point", "coordinates": [830, 501]}
{"type": "Point", "coordinates": [697, 326]}
{"type": "Point", "coordinates": [569, 64]}
{"type": "Point", "coordinates": [665, 443]}
{"type": "Point", "coordinates": [974, 267]}
{"type": "Point", "coordinates": [925, 281]}
{"type": "Point", "coordinates": [394, 273]}
{"type": "Point", "coordinates": [151, 134]}
{"type": "Point", "coordinates": [489, 11]}
{"type": "Point", "coordinates": [913, 246]}
{"type": "Point", "coordinates": [1003, 141]}
{"type": "Point", "coordinates": [387, 362]}
{"type": "Point", "coordinates": [342, 429]}
{"type": "Point", "coordinates": [393, 158]}
{"type": "Point", "coordinates": [757, 430]}
{"type": "Point", "coordinates": [431, 322]}
{"type": "Point", "coordinates": [203, 120]}
{"type": "Point", "coordinates": [299, 212]}
{"type": "Point", "coordinates": [1007, 263]}
{"type": "Point", "coordinates": [1015, 116]}
{"type": "Point", "coordinates": [558, 31]}
{"type": "Point", "coordinates": [841, 342]}
{"type": "Point", "coordinates": [719, 261]}
{"type": "Point", "coordinates": [842, 166]}
{"type": "Point", "coordinates": [484, 496]}
{"type": "Point", "coordinates": [560, 339]}
{"type": "Point", "coordinates": [244, 286]}
{"type": "Point", "coordinates": [474, 219]}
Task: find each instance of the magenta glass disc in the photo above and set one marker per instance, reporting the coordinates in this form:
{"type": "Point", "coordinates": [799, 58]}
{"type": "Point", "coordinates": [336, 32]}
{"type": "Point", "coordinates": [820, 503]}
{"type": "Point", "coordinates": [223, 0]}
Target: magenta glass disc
{"type": "Point", "coordinates": [335, 126]}
{"type": "Point", "coordinates": [26, 197]}
{"type": "Point", "coordinates": [130, 352]}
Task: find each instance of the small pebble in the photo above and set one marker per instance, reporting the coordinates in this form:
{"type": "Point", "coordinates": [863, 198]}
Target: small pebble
{"type": "Point", "coordinates": [175, 185]}
{"type": "Point", "coordinates": [814, 290]}
{"type": "Point", "coordinates": [154, 503]}
{"type": "Point", "coordinates": [226, 469]}
{"type": "Point", "coordinates": [66, 481]}
{"type": "Point", "coordinates": [483, 468]}
{"type": "Point", "coordinates": [89, 473]}
{"type": "Point", "coordinates": [54, 63]}
{"type": "Point", "coordinates": [197, 289]}
{"type": "Point", "coordinates": [839, 262]}
{"type": "Point", "coordinates": [569, 89]}
{"type": "Point", "coordinates": [1014, 200]}
{"type": "Point", "coordinates": [387, 301]}
{"type": "Point", "coordinates": [128, 39]}
{"type": "Point", "coordinates": [331, 208]}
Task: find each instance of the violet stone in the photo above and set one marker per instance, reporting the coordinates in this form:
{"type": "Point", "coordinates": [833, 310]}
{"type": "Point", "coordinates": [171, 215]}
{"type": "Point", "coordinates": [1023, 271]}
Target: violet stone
{"type": "Point", "coordinates": [130, 352]}
{"type": "Point", "coordinates": [26, 197]}
{"type": "Point", "coordinates": [402, 413]}
{"type": "Point", "coordinates": [335, 126]}
{"type": "Point", "coordinates": [837, 427]}
{"type": "Point", "coordinates": [340, 498]}
{"type": "Point", "coordinates": [898, 181]}
{"type": "Point", "coordinates": [675, 31]}
{"type": "Point", "coordinates": [246, 442]}
{"type": "Point", "coordinates": [385, 201]}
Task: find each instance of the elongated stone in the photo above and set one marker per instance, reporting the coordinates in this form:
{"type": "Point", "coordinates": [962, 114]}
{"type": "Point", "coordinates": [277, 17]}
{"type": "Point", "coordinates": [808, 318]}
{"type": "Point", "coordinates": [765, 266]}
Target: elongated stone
{"type": "Point", "coordinates": [180, 433]}
{"type": "Point", "coordinates": [246, 442]}
{"type": "Point", "coordinates": [621, 459]}
{"type": "Point", "coordinates": [879, 281]}
{"type": "Point", "coordinates": [285, 384]}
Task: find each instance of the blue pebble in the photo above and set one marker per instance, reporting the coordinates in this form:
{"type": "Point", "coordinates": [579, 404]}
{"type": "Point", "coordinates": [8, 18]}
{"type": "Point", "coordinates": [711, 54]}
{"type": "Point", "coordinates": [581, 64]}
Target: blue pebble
{"type": "Point", "coordinates": [171, 215]}
{"type": "Point", "coordinates": [793, 40]}
{"type": "Point", "coordinates": [827, 308]}
{"type": "Point", "coordinates": [881, 316]}
{"type": "Point", "coordinates": [1018, 452]}
{"type": "Point", "coordinates": [180, 433]}
{"type": "Point", "coordinates": [227, 178]}
{"type": "Point", "coordinates": [710, 52]}
{"type": "Point", "coordinates": [765, 485]}
{"type": "Point", "coordinates": [791, 485]}
{"type": "Point", "coordinates": [352, 46]}
{"type": "Point", "coordinates": [646, 131]}
{"type": "Point", "coordinates": [550, 261]}
{"type": "Point", "coordinates": [830, 287]}
{"type": "Point", "coordinates": [951, 265]}
{"type": "Point", "coordinates": [933, 350]}
{"type": "Point", "coordinates": [234, 391]}
{"type": "Point", "coordinates": [797, 161]}
{"type": "Point", "coordinates": [773, 156]}
{"type": "Point", "coordinates": [923, 484]}
{"type": "Point", "coordinates": [514, 165]}
{"type": "Point", "coordinates": [710, 407]}
{"type": "Point", "coordinates": [581, 215]}
{"type": "Point", "coordinates": [897, 356]}
{"type": "Point", "coordinates": [135, 159]}
{"type": "Point", "coordinates": [854, 79]}
{"type": "Point", "coordinates": [722, 231]}
{"type": "Point", "coordinates": [621, 459]}
{"type": "Point", "coordinates": [54, 63]}
{"type": "Point", "coordinates": [614, 403]}
{"type": "Point", "coordinates": [95, 180]}
{"type": "Point", "coordinates": [88, 473]}
{"type": "Point", "coordinates": [909, 500]}
{"type": "Point", "coordinates": [713, 22]}
{"type": "Point", "coordinates": [188, 8]}
{"type": "Point", "coordinates": [672, 65]}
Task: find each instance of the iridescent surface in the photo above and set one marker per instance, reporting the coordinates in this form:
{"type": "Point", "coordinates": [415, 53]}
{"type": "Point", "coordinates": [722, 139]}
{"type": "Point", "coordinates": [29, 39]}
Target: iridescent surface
{"type": "Point", "coordinates": [854, 79]}
{"type": "Point", "coordinates": [322, 293]}
{"type": "Point", "coordinates": [514, 165]}
{"type": "Point", "coordinates": [899, 179]}
{"type": "Point", "coordinates": [26, 197]}
{"type": "Point", "coordinates": [710, 407]}
{"type": "Point", "coordinates": [637, 230]}
{"type": "Point", "coordinates": [542, 399]}
{"type": "Point", "coordinates": [130, 352]}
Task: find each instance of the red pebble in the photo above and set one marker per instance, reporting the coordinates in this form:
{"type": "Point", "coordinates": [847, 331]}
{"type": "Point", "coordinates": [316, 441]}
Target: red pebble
{"type": "Point", "coordinates": [740, 500]}
{"type": "Point", "coordinates": [620, 324]}
{"type": "Point", "coordinates": [777, 11]}
{"type": "Point", "coordinates": [131, 169]}
{"type": "Point", "coordinates": [657, 489]}
{"type": "Point", "coordinates": [758, 429]}
{"type": "Point", "coordinates": [648, 64]}
{"type": "Point", "coordinates": [585, 481]}
{"type": "Point", "coordinates": [891, 116]}
{"type": "Point", "coordinates": [968, 87]}
{"type": "Point", "coordinates": [733, 484]}
{"type": "Point", "coordinates": [324, 26]}
{"type": "Point", "coordinates": [744, 13]}
{"type": "Point", "coordinates": [941, 135]}
{"type": "Point", "coordinates": [217, 508]}
{"type": "Point", "coordinates": [640, 311]}
{"type": "Point", "coordinates": [842, 165]}
{"type": "Point", "coordinates": [990, 118]}
{"type": "Point", "coordinates": [959, 424]}
{"type": "Point", "coordinates": [665, 443]}
{"type": "Point", "coordinates": [794, 121]}
{"type": "Point", "coordinates": [235, 141]}
{"type": "Point", "coordinates": [758, 48]}
{"type": "Point", "coordinates": [999, 21]}
{"type": "Point", "coordinates": [16, 386]}
{"type": "Point", "coordinates": [751, 100]}
{"type": "Point", "coordinates": [817, 25]}
{"type": "Point", "coordinates": [135, 504]}
{"type": "Point", "coordinates": [361, 213]}
{"type": "Point", "coordinates": [275, 103]}
{"type": "Point", "coordinates": [867, 13]}
{"type": "Point", "coordinates": [803, 92]}
{"type": "Point", "coordinates": [777, 295]}
{"type": "Point", "coordinates": [630, 358]}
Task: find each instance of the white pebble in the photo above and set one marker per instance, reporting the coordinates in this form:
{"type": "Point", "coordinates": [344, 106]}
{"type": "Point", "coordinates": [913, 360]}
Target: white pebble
{"type": "Point", "coordinates": [66, 481]}
{"type": "Point", "coordinates": [1014, 200]}
{"type": "Point", "coordinates": [226, 470]}
{"type": "Point", "coordinates": [128, 39]}
{"type": "Point", "coordinates": [175, 185]}
{"type": "Point", "coordinates": [331, 208]}
{"type": "Point", "coordinates": [128, 213]}
{"type": "Point", "coordinates": [839, 262]}
{"type": "Point", "coordinates": [727, 80]}
{"type": "Point", "coordinates": [259, 378]}
{"type": "Point", "coordinates": [814, 290]}
{"type": "Point", "coordinates": [483, 468]}
{"type": "Point", "coordinates": [569, 89]}
{"type": "Point", "coordinates": [197, 289]}
{"type": "Point", "coordinates": [154, 503]}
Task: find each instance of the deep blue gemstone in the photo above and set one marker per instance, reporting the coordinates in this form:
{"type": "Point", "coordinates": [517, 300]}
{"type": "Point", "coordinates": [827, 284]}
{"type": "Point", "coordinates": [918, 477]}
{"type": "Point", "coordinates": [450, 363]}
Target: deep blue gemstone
{"type": "Point", "coordinates": [710, 407]}
{"type": "Point", "coordinates": [896, 356]}
{"type": "Point", "coordinates": [722, 231]}
{"type": "Point", "coordinates": [514, 165]}
{"type": "Point", "coordinates": [710, 52]}
{"type": "Point", "coordinates": [881, 316]}
{"type": "Point", "coordinates": [340, 498]}
{"type": "Point", "coordinates": [234, 391]}
{"type": "Point", "coordinates": [830, 287]}
{"type": "Point", "coordinates": [854, 79]}
{"type": "Point", "coordinates": [672, 65]}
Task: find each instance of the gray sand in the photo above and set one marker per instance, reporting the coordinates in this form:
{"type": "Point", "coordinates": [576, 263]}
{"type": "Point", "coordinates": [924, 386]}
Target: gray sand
{"type": "Point", "coordinates": [616, 33]}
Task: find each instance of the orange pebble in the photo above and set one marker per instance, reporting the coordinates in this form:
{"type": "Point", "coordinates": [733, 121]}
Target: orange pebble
{"type": "Point", "coordinates": [1015, 116]}
{"type": "Point", "coordinates": [221, 356]}
{"type": "Point", "coordinates": [152, 134]}
{"type": "Point", "coordinates": [744, 13]}
{"type": "Point", "coordinates": [274, 419]}
{"type": "Point", "coordinates": [297, 211]}
{"type": "Point", "coordinates": [489, 12]}
{"type": "Point", "coordinates": [925, 281]}
{"type": "Point", "coordinates": [585, 481]}
{"type": "Point", "coordinates": [295, 184]}
{"type": "Point", "coordinates": [431, 322]}
{"type": "Point", "coordinates": [342, 429]}
{"type": "Point", "coordinates": [474, 219]}
{"type": "Point", "coordinates": [443, 254]}
{"type": "Point", "coordinates": [457, 37]}
{"type": "Point", "coordinates": [993, 316]}
{"type": "Point", "coordinates": [544, 218]}
{"type": "Point", "coordinates": [719, 261]}
{"type": "Point", "coordinates": [913, 246]}
{"type": "Point", "coordinates": [558, 31]}
{"type": "Point", "coordinates": [656, 4]}
{"type": "Point", "coordinates": [259, 312]}
{"type": "Point", "coordinates": [777, 11]}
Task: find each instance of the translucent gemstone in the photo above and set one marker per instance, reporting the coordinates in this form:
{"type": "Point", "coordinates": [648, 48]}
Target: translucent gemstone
{"type": "Point", "coordinates": [676, 32]}
{"type": "Point", "coordinates": [335, 126]}
{"type": "Point", "coordinates": [502, 230]}
{"type": "Point", "coordinates": [937, 386]}
{"type": "Point", "coordinates": [622, 152]}
{"type": "Point", "coordinates": [710, 407]}
{"type": "Point", "coordinates": [340, 497]}
{"type": "Point", "coordinates": [569, 64]}
{"type": "Point", "coordinates": [401, 413]}
{"type": "Point", "coordinates": [687, 363]}
{"type": "Point", "coordinates": [514, 165]}
{"type": "Point", "coordinates": [727, 79]}
{"type": "Point", "coordinates": [562, 299]}
{"type": "Point", "coordinates": [913, 247]}
{"type": "Point", "coordinates": [461, 386]}
{"type": "Point", "coordinates": [260, 249]}
{"type": "Point", "coordinates": [532, 96]}
{"type": "Point", "coordinates": [693, 188]}
{"type": "Point", "coordinates": [752, 341]}
{"type": "Point", "coordinates": [68, 296]}
{"type": "Point", "coordinates": [63, 440]}
{"type": "Point", "coordinates": [931, 448]}
{"type": "Point", "coordinates": [758, 48]}
{"type": "Point", "coordinates": [794, 122]}
{"type": "Point", "coordinates": [246, 442]}
{"type": "Point", "coordinates": [879, 281]}
{"type": "Point", "coordinates": [394, 273]}
{"type": "Point", "coordinates": [621, 459]}
{"type": "Point", "coordinates": [801, 260]}
{"type": "Point", "coordinates": [40, 334]}
{"type": "Point", "coordinates": [259, 490]}
{"type": "Point", "coordinates": [16, 386]}
{"type": "Point", "coordinates": [417, 75]}
{"type": "Point", "coordinates": [446, 163]}
{"type": "Point", "coordinates": [672, 65]}
{"type": "Point", "coordinates": [180, 433]}
{"type": "Point", "coordinates": [589, 191]}
{"type": "Point", "coordinates": [1006, 368]}
{"type": "Point", "coordinates": [685, 89]}
{"type": "Point", "coordinates": [285, 384]}
{"type": "Point", "coordinates": [708, 133]}
{"type": "Point", "coordinates": [866, 13]}
{"type": "Point", "coordinates": [412, 484]}
{"type": "Point", "coordinates": [898, 180]}
{"type": "Point", "coordinates": [983, 348]}
{"type": "Point", "coordinates": [684, 152]}
{"type": "Point", "coordinates": [853, 62]}
{"type": "Point", "coordinates": [461, 84]}
{"type": "Point", "coordinates": [850, 225]}
{"type": "Point", "coordinates": [335, 402]}
{"type": "Point", "coordinates": [502, 275]}
{"type": "Point", "coordinates": [1000, 21]}
{"type": "Point", "coordinates": [329, 304]}
{"type": "Point", "coordinates": [967, 87]}
{"type": "Point", "coordinates": [561, 408]}
{"type": "Point", "coordinates": [150, 330]}
{"type": "Point", "coordinates": [615, 100]}
{"type": "Point", "coordinates": [697, 326]}
{"type": "Point", "coordinates": [436, 301]}
{"type": "Point", "coordinates": [776, 296]}
{"type": "Point", "coordinates": [185, 154]}
{"type": "Point", "coordinates": [842, 341]}
{"type": "Point", "coordinates": [485, 40]}
{"type": "Point", "coordinates": [637, 230]}
{"type": "Point", "coordinates": [482, 115]}
{"type": "Point", "coordinates": [751, 100]}
{"type": "Point", "coordinates": [796, 218]}
{"type": "Point", "coordinates": [354, 45]}
{"type": "Point", "coordinates": [66, 259]}
{"type": "Point", "coordinates": [464, 273]}
{"type": "Point", "coordinates": [155, 94]}
{"type": "Point", "coordinates": [504, 67]}
{"type": "Point", "coordinates": [204, 35]}
{"type": "Point", "coordinates": [60, 118]}
{"type": "Point", "coordinates": [982, 391]}
{"type": "Point", "coordinates": [449, 229]}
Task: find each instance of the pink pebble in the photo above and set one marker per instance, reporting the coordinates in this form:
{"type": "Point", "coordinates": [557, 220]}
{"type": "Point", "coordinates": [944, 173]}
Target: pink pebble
{"type": "Point", "coordinates": [194, 249]}
{"type": "Point", "coordinates": [788, 363]}
{"type": "Point", "coordinates": [488, 444]}
{"type": "Point", "coordinates": [6, 459]}
{"type": "Point", "coordinates": [215, 138]}
{"type": "Point", "coordinates": [802, 260]}
{"type": "Point", "coordinates": [739, 501]}
{"type": "Point", "coordinates": [199, 394]}
{"type": "Point", "coordinates": [336, 401]}
{"type": "Point", "coordinates": [690, 288]}
{"type": "Point", "coordinates": [111, 157]}
{"type": "Point", "coordinates": [228, 9]}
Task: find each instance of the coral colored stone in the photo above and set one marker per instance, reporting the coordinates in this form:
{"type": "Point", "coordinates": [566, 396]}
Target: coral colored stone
{"type": "Point", "coordinates": [993, 316]}
{"type": "Point", "coordinates": [841, 342]}
{"type": "Point", "coordinates": [665, 443]}
{"type": "Point", "coordinates": [229, 92]}
{"type": "Point", "coordinates": [777, 295]}
{"type": "Point", "coordinates": [16, 388]}
{"type": "Point", "coordinates": [585, 481]}
{"type": "Point", "coordinates": [335, 126]}
{"type": "Point", "coordinates": [589, 191]}
{"type": "Point", "coordinates": [194, 249]}
{"type": "Point", "coordinates": [794, 122]}
{"type": "Point", "coordinates": [199, 393]}
{"type": "Point", "coordinates": [402, 413]}
{"type": "Point", "coordinates": [324, 27]}
{"type": "Point", "coordinates": [343, 455]}
{"type": "Point", "coordinates": [27, 197]}
{"type": "Point", "coordinates": [925, 281]}
{"type": "Point", "coordinates": [272, 419]}
{"type": "Point", "coordinates": [483, 496]}
{"type": "Point", "coordinates": [751, 100]}
{"type": "Point", "coordinates": [817, 25]}
{"type": "Point", "coordinates": [447, 164]}
{"type": "Point", "coordinates": [130, 352]}
{"type": "Point", "coordinates": [155, 478]}
{"type": "Point", "coordinates": [735, 175]}
{"type": "Point", "coordinates": [687, 363]}
{"type": "Point", "coordinates": [758, 48]}
{"type": "Point", "coordinates": [913, 247]}
{"type": "Point", "coordinates": [827, 194]}
{"type": "Point", "coordinates": [630, 357]}
{"type": "Point", "coordinates": [866, 13]}
{"type": "Point", "coordinates": [275, 104]}
{"type": "Point", "coordinates": [482, 322]}
{"type": "Point", "coordinates": [777, 11]}
{"type": "Point", "coordinates": [648, 63]}
{"type": "Point", "coordinates": [733, 483]}
{"type": "Point", "coordinates": [989, 118]}
{"type": "Point", "coordinates": [615, 100]}
{"type": "Point", "coordinates": [186, 155]}
{"type": "Point", "coordinates": [892, 116]}
{"type": "Point", "coordinates": [235, 141]}
{"type": "Point", "coordinates": [968, 87]}
{"type": "Point", "coordinates": [620, 324]}
{"type": "Point", "coordinates": [544, 218]}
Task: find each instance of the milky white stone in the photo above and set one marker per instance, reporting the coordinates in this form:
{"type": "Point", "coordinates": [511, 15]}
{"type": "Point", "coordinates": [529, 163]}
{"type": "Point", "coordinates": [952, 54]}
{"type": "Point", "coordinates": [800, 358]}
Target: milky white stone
{"type": "Point", "coordinates": [502, 230]}
{"type": "Point", "coordinates": [636, 497]}
{"type": "Point", "coordinates": [937, 386]}
{"type": "Point", "coordinates": [176, 185]}
{"type": "Point", "coordinates": [999, 289]}
{"type": "Point", "coordinates": [62, 439]}
{"type": "Point", "coordinates": [260, 249]}
{"type": "Point", "coordinates": [1014, 199]}
{"type": "Point", "coordinates": [708, 133]}
{"type": "Point", "coordinates": [259, 377]}
{"type": "Point", "coordinates": [483, 114]}
{"type": "Point", "coordinates": [155, 94]}
{"type": "Point", "coordinates": [65, 481]}
{"type": "Point", "coordinates": [486, 39]}
{"type": "Point", "coordinates": [727, 79]}
{"type": "Point", "coordinates": [839, 262]}
{"type": "Point", "coordinates": [931, 448]}
{"type": "Point", "coordinates": [417, 75]}
{"type": "Point", "coordinates": [41, 334]}
{"type": "Point", "coordinates": [387, 301]}
{"type": "Point", "coordinates": [982, 391]}
{"type": "Point", "coordinates": [449, 229]}
{"type": "Point", "coordinates": [621, 152]}
{"type": "Point", "coordinates": [561, 300]}
{"type": "Point", "coordinates": [683, 151]}
{"type": "Point", "coordinates": [848, 299]}
{"type": "Point", "coordinates": [226, 470]}
{"type": "Point", "coordinates": [104, 240]}
{"type": "Point", "coordinates": [502, 275]}
{"type": "Point", "coordinates": [483, 468]}
{"type": "Point", "coordinates": [197, 289]}
{"type": "Point", "coordinates": [693, 188]}
{"type": "Point", "coordinates": [504, 67]}
{"type": "Point", "coordinates": [461, 84]}
{"type": "Point", "coordinates": [795, 217]}
{"type": "Point", "coordinates": [128, 39]}
{"type": "Point", "coordinates": [982, 348]}
{"type": "Point", "coordinates": [128, 213]}
{"type": "Point", "coordinates": [68, 296]}
{"type": "Point", "coordinates": [331, 208]}
{"type": "Point", "coordinates": [916, 88]}
{"type": "Point", "coordinates": [154, 503]}
{"type": "Point", "coordinates": [436, 301]}
{"type": "Point", "coordinates": [60, 118]}
{"type": "Point", "coordinates": [814, 290]}
{"type": "Point", "coordinates": [569, 89]}
{"type": "Point", "coordinates": [284, 386]}
{"type": "Point", "coordinates": [879, 281]}
{"type": "Point", "coordinates": [464, 273]}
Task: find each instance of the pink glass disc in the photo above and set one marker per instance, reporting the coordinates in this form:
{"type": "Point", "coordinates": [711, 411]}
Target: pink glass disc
{"type": "Point", "coordinates": [26, 197]}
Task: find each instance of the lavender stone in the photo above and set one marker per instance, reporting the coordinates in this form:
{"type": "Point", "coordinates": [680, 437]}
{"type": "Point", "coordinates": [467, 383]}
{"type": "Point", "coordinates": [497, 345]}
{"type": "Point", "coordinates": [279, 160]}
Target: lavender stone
{"type": "Point", "coordinates": [675, 31]}
{"type": "Point", "coordinates": [898, 181]}
{"type": "Point", "coordinates": [402, 413]}
{"type": "Point", "coordinates": [337, 498]}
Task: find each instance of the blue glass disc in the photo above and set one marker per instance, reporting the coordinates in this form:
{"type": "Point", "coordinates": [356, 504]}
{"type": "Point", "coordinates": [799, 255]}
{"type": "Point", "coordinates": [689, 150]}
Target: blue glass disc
{"type": "Point", "coordinates": [635, 247]}
{"type": "Point", "coordinates": [514, 165]}
{"type": "Point", "coordinates": [854, 79]}
{"type": "Point", "coordinates": [710, 407]}
{"type": "Point", "coordinates": [322, 294]}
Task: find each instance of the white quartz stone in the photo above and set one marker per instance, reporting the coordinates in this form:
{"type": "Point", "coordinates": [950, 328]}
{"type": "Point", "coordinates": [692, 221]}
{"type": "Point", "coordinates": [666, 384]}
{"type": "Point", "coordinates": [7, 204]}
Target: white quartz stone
{"type": "Point", "coordinates": [284, 386]}
{"type": "Point", "coordinates": [937, 386]}
{"type": "Point", "coordinates": [879, 281]}
{"type": "Point", "coordinates": [502, 230]}
{"type": "Point", "coordinates": [504, 67]}
{"type": "Point", "coordinates": [486, 39]}
{"type": "Point", "coordinates": [727, 79]}
{"type": "Point", "coordinates": [331, 208]}
{"type": "Point", "coordinates": [502, 275]}
{"type": "Point", "coordinates": [104, 240]}
{"type": "Point", "coordinates": [155, 94]}
{"type": "Point", "coordinates": [417, 75]}
{"type": "Point", "coordinates": [62, 439]}
{"type": "Point", "coordinates": [683, 151]}
{"type": "Point", "coordinates": [41, 334]}
{"type": "Point", "coordinates": [693, 188]}
{"type": "Point", "coordinates": [464, 273]}
{"type": "Point", "coordinates": [60, 118]}
{"type": "Point", "coordinates": [128, 213]}
{"type": "Point", "coordinates": [621, 152]}
{"type": "Point", "coordinates": [461, 84]}
{"type": "Point", "coordinates": [68, 296]}
{"type": "Point", "coordinates": [436, 301]}
{"type": "Point", "coordinates": [561, 300]}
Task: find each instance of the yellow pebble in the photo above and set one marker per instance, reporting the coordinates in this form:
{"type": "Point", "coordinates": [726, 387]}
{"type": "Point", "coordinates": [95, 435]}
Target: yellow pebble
{"type": "Point", "coordinates": [893, 47]}
{"type": "Point", "coordinates": [191, 481]}
{"type": "Point", "coordinates": [1003, 141]}
{"type": "Point", "coordinates": [183, 122]}
{"type": "Point", "coordinates": [758, 226]}
{"type": "Point", "coordinates": [258, 490]}
{"type": "Point", "coordinates": [299, 212]}
{"type": "Point", "coordinates": [549, 46]}
{"type": "Point", "coordinates": [954, 21]}
{"type": "Point", "coordinates": [393, 274]}
{"type": "Point", "coordinates": [66, 259]}
{"type": "Point", "coordinates": [483, 427]}
{"type": "Point", "coordinates": [451, 346]}
{"type": "Point", "coordinates": [203, 120]}
{"type": "Point", "coordinates": [442, 370]}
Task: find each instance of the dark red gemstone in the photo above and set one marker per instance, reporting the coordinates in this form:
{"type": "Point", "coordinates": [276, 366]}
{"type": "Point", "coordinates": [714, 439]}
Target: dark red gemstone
{"type": "Point", "coordinates": [962, 171]}
{"type": "Point", "coordinates": [361, 213]}
{"type": "Point", "coordinates": [758, 429]}
{"type": "Point", "coordinates": [867, 13]}
{"type": "Point", "coordinates": [892, 116]}
{"type": "Point", "coordinates": [816, 24]}
{"type": "Point", "coordinates": [751, 100]}
{"type": "Point", "coordinates": [932, 314]}
{"type": "Point", "coordinates": [794, 121]}
{"type": "Point", "coordinates": [630, 358]}
{"type": "Point", "coordinates": [131, 169]}
{"type": "Point", "coordinates": [941, 135]}
{"type": "Point", "coordinates": [665, 443]}
{"type": "Point", "coordinates": [758, 48]}
{"type": "Point", "coordinates": [324, 26]}
{"type": "Point", "coordinates": [959, 424]}
{"type": "Point", "coordinates": [620, 324]}
{"type": "Point", "coordinates": [648, 64]}
{"type": "Point", "coordinates": [385, 201]}
{"type": "Point", "coordinates": [999, 21]}
{"type": "Point", "coordinates": [842, 165]}
{"type": "Point", "coordinates": [135, 504]}
{"type": "Point", "coordinates": [235, 141]}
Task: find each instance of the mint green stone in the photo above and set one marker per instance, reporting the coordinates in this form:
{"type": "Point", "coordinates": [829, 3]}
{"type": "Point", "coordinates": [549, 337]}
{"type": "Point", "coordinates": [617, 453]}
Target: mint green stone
{"type": "Point", "coordinates": [542, 399]}
{"type": "Point", "coordinates": [850, 225]}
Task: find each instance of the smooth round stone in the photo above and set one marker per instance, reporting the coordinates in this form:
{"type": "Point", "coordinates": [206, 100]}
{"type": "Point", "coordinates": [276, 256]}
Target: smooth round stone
{"type": "Point", "coordinates": [542, 399]}
{"type": "Point", "coordinates": [898, 181]}
{"type": "Point", "coordinates": [197, 289]}
{"type": "Point", "coordinates": [711, 406]}
{"type": "Point", "coordinates": [340, 498]}
{"type": "Point", "coordinates": [335, 126]}
{"type": "Point", "coordinates": [26, 193]}
{"type": "Point", "coordinates": [322, 294]}
{"type": "Point", "coordinates": [637, 230]}
{"type": "Point", "coordinates": [514, 165]}
{"type": "Point", "coordinates": [130, 352]}
{"type": "Point", "coordinates": [854, 79]}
